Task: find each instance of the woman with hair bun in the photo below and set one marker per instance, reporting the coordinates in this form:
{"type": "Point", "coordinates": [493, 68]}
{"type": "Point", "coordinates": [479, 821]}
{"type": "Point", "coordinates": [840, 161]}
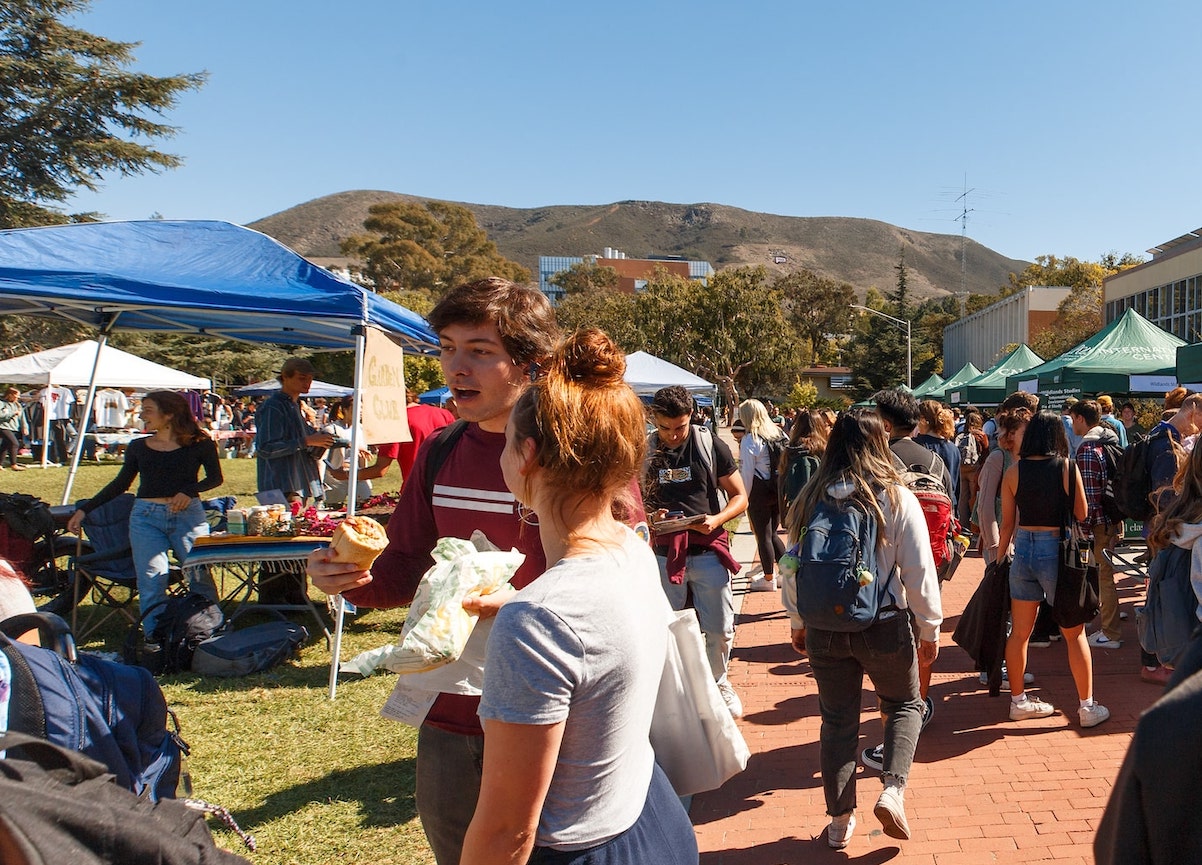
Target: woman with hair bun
{"type": "Point", "coordinates": [569, 774]}
{"type": "Point", "coordinates": [167, 515]}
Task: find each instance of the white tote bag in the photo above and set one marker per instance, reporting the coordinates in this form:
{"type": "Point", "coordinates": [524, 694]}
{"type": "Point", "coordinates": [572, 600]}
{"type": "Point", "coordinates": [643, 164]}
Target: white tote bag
{"type": "Point", "coordinates": [696, 741]}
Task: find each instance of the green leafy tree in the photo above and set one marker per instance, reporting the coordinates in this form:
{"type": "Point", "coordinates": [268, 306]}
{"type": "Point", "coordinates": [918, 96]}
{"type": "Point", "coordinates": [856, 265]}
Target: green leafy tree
{"type": "Point", "coordinates": [876, 351]}
{"type": "Point", "coordinates": [429, 247]}
{"type": "Point", "coordinates": [612, 311]}
{"type": "Point", "coordinates": [815, 307]}
{"type": "Point", "coordinates": [1079, 316]}
{"type": "Point", "coordinates": [802, 395]}
{"type": "Point", "coordinates": [586, 275]}
{"type": "Point", "coordinates": [71, 112]}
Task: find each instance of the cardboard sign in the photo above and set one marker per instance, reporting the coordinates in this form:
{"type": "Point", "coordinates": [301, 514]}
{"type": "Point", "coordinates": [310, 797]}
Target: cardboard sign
{"type": "Point", "coordinates": [382, 399]}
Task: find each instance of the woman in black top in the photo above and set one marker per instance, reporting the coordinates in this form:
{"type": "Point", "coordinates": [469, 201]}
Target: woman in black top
{"type": "Point", "coordinates": [167, 515]}
{"type": "Point", "coordinates": [1035, 499]}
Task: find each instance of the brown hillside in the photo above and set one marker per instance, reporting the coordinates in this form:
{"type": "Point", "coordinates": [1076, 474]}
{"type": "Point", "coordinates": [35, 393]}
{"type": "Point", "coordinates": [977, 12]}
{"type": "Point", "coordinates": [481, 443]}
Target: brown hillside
{"type": "Point", "coordinates": [860, 251]}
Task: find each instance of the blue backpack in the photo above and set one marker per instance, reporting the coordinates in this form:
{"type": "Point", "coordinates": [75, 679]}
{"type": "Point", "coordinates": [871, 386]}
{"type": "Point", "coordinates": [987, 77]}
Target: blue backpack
{"type": "Point", "coordinates": [838, 586]}
{"type": "Point", "coordinates": [110, 712]}
{"type": "Point", "coordinates": [1170, 612]}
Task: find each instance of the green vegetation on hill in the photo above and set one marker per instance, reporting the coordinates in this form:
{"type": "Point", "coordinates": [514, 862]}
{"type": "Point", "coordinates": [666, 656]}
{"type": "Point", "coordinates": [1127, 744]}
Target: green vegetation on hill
{"type": "Point", "coordinates": [862, 252]}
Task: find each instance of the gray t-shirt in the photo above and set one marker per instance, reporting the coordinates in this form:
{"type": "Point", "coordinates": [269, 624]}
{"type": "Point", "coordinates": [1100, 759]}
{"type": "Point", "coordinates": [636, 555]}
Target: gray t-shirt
{"type": "Point", "coordinates": [585, 644]}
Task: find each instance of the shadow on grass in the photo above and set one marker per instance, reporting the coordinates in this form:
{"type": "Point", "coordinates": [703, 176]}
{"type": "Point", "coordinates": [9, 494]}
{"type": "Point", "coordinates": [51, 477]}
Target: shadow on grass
{"type": "Point", "coordinates": [384, 794]}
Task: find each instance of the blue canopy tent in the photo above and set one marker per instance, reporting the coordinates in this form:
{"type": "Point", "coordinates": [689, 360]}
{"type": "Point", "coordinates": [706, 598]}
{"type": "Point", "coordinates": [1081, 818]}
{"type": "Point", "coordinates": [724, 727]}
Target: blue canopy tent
{"type": "Point", "coordinates": [202, 277]}
{"type": "Point", "coordinates": [438, 396]}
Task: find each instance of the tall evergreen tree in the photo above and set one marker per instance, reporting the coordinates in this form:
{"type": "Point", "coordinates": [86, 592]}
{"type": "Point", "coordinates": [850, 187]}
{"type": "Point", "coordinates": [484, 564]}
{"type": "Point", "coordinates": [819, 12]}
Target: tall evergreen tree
{"type": "Point", "coordinates": [71, 112]}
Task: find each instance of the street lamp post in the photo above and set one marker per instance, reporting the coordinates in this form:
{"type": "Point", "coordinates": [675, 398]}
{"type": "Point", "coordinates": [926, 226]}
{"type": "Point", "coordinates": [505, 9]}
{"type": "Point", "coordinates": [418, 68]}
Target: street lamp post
{"type": "Point", "coordinates": [899, 322]}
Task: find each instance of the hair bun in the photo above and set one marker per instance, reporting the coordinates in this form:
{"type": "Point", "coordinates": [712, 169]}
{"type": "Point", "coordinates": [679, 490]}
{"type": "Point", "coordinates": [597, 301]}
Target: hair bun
{"type": "Point", "coordinates": [590, 357]}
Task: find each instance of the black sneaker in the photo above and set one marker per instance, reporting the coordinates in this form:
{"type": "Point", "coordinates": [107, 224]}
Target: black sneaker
{"type": "Point", "coordinates": [874, 758]}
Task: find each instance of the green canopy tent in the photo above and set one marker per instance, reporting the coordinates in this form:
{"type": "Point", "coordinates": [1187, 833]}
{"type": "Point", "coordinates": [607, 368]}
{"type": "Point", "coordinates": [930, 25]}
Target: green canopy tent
{"type": "Point", "coordinates": [966, 373]}
{"type": "Point", "coordinates": [989, 388]}
{"type": "Point", "coordinates": [1189, 365]}
{"type": "Point", "coordinates": [935, 382]}
{"type": "Point", "coordinates": [1128, 356]}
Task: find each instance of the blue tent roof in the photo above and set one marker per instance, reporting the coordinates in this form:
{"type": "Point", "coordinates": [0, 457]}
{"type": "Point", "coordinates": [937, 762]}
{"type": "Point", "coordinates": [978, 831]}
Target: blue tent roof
{"type": "Point", "coordinates": [214, 278]}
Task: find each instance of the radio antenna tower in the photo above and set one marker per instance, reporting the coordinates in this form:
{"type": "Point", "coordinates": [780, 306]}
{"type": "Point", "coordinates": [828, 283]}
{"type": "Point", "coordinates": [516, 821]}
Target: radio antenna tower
{"type": "Point", "coordinates": [963, 220]}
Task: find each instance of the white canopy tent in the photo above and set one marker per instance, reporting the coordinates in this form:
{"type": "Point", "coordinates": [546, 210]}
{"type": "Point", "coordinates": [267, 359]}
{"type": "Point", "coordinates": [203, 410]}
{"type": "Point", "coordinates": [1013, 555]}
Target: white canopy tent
{"type": "Point", "coordinates": [73, 366]}
{"type": "Point", "coordinates": [646, 373]}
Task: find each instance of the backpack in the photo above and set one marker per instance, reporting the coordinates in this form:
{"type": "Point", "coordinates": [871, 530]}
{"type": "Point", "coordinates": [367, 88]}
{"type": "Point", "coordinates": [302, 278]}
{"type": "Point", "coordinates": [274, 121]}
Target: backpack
{"type": "Point", "coordinates": [249, 650]}
{"type": "Point", "coordinates": [110, 712]}
{"type": "Point", "coordinates": [839, 587]}
{"type": "Point", "coordinates": [942, 525]}
{"type": "Point", "coordinates": [444, 442]}
{"type": "Point", "coordinates": [1133, 479]}
{"type": "Point", "coordinates": [1112, 455]}
{"type": "Point", "coordinates": [802, 465]}
{"type": "Point", "coordinates": [1170, 612]}
{"type": "Point", "coordinates": [969, 447]}
{"type": "Point", "coordinates": [57, 805]}
{"type": "Point", "coordinates": [185, 623]}
{"type": "Point", "coordinates": [705, 441]}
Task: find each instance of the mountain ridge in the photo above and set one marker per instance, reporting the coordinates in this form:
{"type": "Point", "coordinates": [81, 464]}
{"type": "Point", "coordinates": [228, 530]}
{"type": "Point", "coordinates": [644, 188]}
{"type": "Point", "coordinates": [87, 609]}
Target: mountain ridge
{"type": "Point", "coordinates": [861, 251]}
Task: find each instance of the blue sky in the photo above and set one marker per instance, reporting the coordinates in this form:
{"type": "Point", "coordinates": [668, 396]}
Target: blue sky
{"type": "Point", "coordinates": [1076, 123]}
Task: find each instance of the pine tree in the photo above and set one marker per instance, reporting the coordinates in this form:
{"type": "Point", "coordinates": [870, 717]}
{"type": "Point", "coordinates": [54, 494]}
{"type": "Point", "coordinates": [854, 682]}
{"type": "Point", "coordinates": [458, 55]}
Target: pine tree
{"type": "Point", "coordinates": [71, 112]}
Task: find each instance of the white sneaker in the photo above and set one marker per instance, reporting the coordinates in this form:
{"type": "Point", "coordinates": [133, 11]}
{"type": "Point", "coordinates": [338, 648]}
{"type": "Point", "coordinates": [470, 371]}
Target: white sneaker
{"type": "Point", "coordinates": [1100, 641]}
{"type": "Point", "coordinates": [891, 811]}
{"type": "Point", "coordinates": [839, 832]}
{"type": "Point", "coordinates": [1030, 707]}
{"type": "Point", "coordinates": [1093, 715]}
{"type": "Point", "coordinates": [733, 703]}
{"type": "Point", "coordinates": [1028, 678]}
{"type": "Point", "coordinates": [760, 584]}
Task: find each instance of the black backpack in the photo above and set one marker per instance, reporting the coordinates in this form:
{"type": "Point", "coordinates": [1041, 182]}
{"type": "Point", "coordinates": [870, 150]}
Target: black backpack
{"type": "Point", "coordinates": [1133, 479]}
{"type": "Point", "coordinates": [185, 622]}
{"type": "Point", "coordinates": [242, 651]}
{"type": "Point", "coordinates": [802, 466]}
{"type": "Point", "coordinates": [57, 805]}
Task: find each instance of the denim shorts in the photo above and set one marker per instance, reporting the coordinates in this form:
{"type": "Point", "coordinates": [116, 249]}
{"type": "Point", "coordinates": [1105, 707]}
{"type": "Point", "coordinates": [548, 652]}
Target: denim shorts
{"type": "Point", "coordinates": [1036, 563]}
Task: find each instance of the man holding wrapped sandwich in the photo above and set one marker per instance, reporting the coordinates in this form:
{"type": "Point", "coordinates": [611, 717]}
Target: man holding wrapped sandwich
{"type": "Point", "coordinates": [494, 334]}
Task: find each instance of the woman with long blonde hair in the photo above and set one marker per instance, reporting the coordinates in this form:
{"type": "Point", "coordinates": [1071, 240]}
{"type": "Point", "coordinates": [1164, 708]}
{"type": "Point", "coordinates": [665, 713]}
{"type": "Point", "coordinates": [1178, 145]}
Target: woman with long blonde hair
{"type": "Point", "coordinates": [759, 453]}
{"type": "Point", "coordinates": [858, 467]}
{"type": "Point", "coordinates": [936, 427]}
{"type": "Point", "coordinates": [569, 775]}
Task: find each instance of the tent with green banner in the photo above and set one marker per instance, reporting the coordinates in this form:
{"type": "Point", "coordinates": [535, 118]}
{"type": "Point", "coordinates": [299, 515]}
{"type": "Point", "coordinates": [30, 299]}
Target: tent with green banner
{"type": "Point", "coordinates": [1128, 356]}
{"type": "Point", "coordinates": [935, 382]}
{"type": "Point", "coordinates": [1189, 365]}
{"type": "Point", "coordinates": [966, 373]}
{"type": "Point", "coordinates": [989, 388]}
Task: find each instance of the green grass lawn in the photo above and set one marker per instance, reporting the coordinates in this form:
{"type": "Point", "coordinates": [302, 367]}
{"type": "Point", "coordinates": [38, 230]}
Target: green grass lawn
{"type": "Point", "coordinates": [314, 781]}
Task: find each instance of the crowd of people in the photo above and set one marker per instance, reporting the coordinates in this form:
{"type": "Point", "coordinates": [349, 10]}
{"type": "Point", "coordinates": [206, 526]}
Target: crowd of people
{"type": "Point", "coordinates": [544, 757]}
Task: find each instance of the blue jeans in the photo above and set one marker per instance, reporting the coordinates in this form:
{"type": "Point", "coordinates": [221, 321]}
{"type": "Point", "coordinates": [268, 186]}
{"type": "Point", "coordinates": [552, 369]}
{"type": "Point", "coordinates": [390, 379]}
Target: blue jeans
{"type": "Point", "coordinates": [839, 660]}
{"type": "Point", "coordinates": [153, 532]}
{"type": "Point", "coordinates": [449, 768]}
{"type": "Point", "coordinates": [1036, 565]}
{"type": "Point", "coordinates": [662, 835]}
{"type": "Point", "coordinates": [713, 601]}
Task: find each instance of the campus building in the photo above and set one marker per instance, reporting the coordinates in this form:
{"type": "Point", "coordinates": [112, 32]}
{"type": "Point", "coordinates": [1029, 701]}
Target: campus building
{"type": "Point", "coordinates": [1016, 318]}
{"type": "Point", "coordinates": [1167, 290]}
{"type": "Point", "coordinates": [633, 273]}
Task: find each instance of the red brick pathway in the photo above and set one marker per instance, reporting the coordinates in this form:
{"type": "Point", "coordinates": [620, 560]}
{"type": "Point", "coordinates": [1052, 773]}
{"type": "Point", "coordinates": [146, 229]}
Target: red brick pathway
{"type": "Point", "coordinates": [983, 788]}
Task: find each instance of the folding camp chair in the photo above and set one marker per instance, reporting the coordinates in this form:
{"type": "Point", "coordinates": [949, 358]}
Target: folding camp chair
{"type": "Point", "coordinates": [107, 574]}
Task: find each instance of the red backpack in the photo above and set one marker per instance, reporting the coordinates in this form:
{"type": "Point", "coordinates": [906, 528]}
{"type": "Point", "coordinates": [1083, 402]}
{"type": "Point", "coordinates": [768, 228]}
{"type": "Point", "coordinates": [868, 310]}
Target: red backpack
{"type": "Point", "coordinates": [942, 525]}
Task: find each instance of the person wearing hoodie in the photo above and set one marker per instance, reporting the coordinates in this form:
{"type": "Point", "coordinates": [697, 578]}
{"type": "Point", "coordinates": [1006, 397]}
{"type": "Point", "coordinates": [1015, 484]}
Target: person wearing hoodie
{"type": "Point", "coordinates": [857, 465]}
{"type": "Point", "coordinates": [1096, 435]}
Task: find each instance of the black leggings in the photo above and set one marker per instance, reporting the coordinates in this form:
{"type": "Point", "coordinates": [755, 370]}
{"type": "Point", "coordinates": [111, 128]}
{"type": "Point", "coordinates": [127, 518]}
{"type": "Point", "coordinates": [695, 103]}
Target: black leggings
{"type": "Point", "coordinates": [9, 444]}
{"type": "Point", "coordinates": [763, 510]}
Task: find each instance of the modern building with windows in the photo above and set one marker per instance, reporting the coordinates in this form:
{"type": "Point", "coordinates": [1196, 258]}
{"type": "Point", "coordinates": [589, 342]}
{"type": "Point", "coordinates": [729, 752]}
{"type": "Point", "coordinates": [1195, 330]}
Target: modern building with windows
{"type": "Point", "coordinates": [1014, 319]}
{"type": "Point", "coordinates": [633, 273]}
{"type": "Point", "coordinates": [1167, 290]}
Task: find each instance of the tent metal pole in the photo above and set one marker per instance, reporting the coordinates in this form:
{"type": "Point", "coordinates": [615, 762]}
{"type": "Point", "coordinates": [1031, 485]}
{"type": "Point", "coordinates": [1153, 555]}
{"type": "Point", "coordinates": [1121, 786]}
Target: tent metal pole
{"type": "Point", "coordinates": [85, 416]}
{"type": "Point", "coordinates": [352, 483]}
